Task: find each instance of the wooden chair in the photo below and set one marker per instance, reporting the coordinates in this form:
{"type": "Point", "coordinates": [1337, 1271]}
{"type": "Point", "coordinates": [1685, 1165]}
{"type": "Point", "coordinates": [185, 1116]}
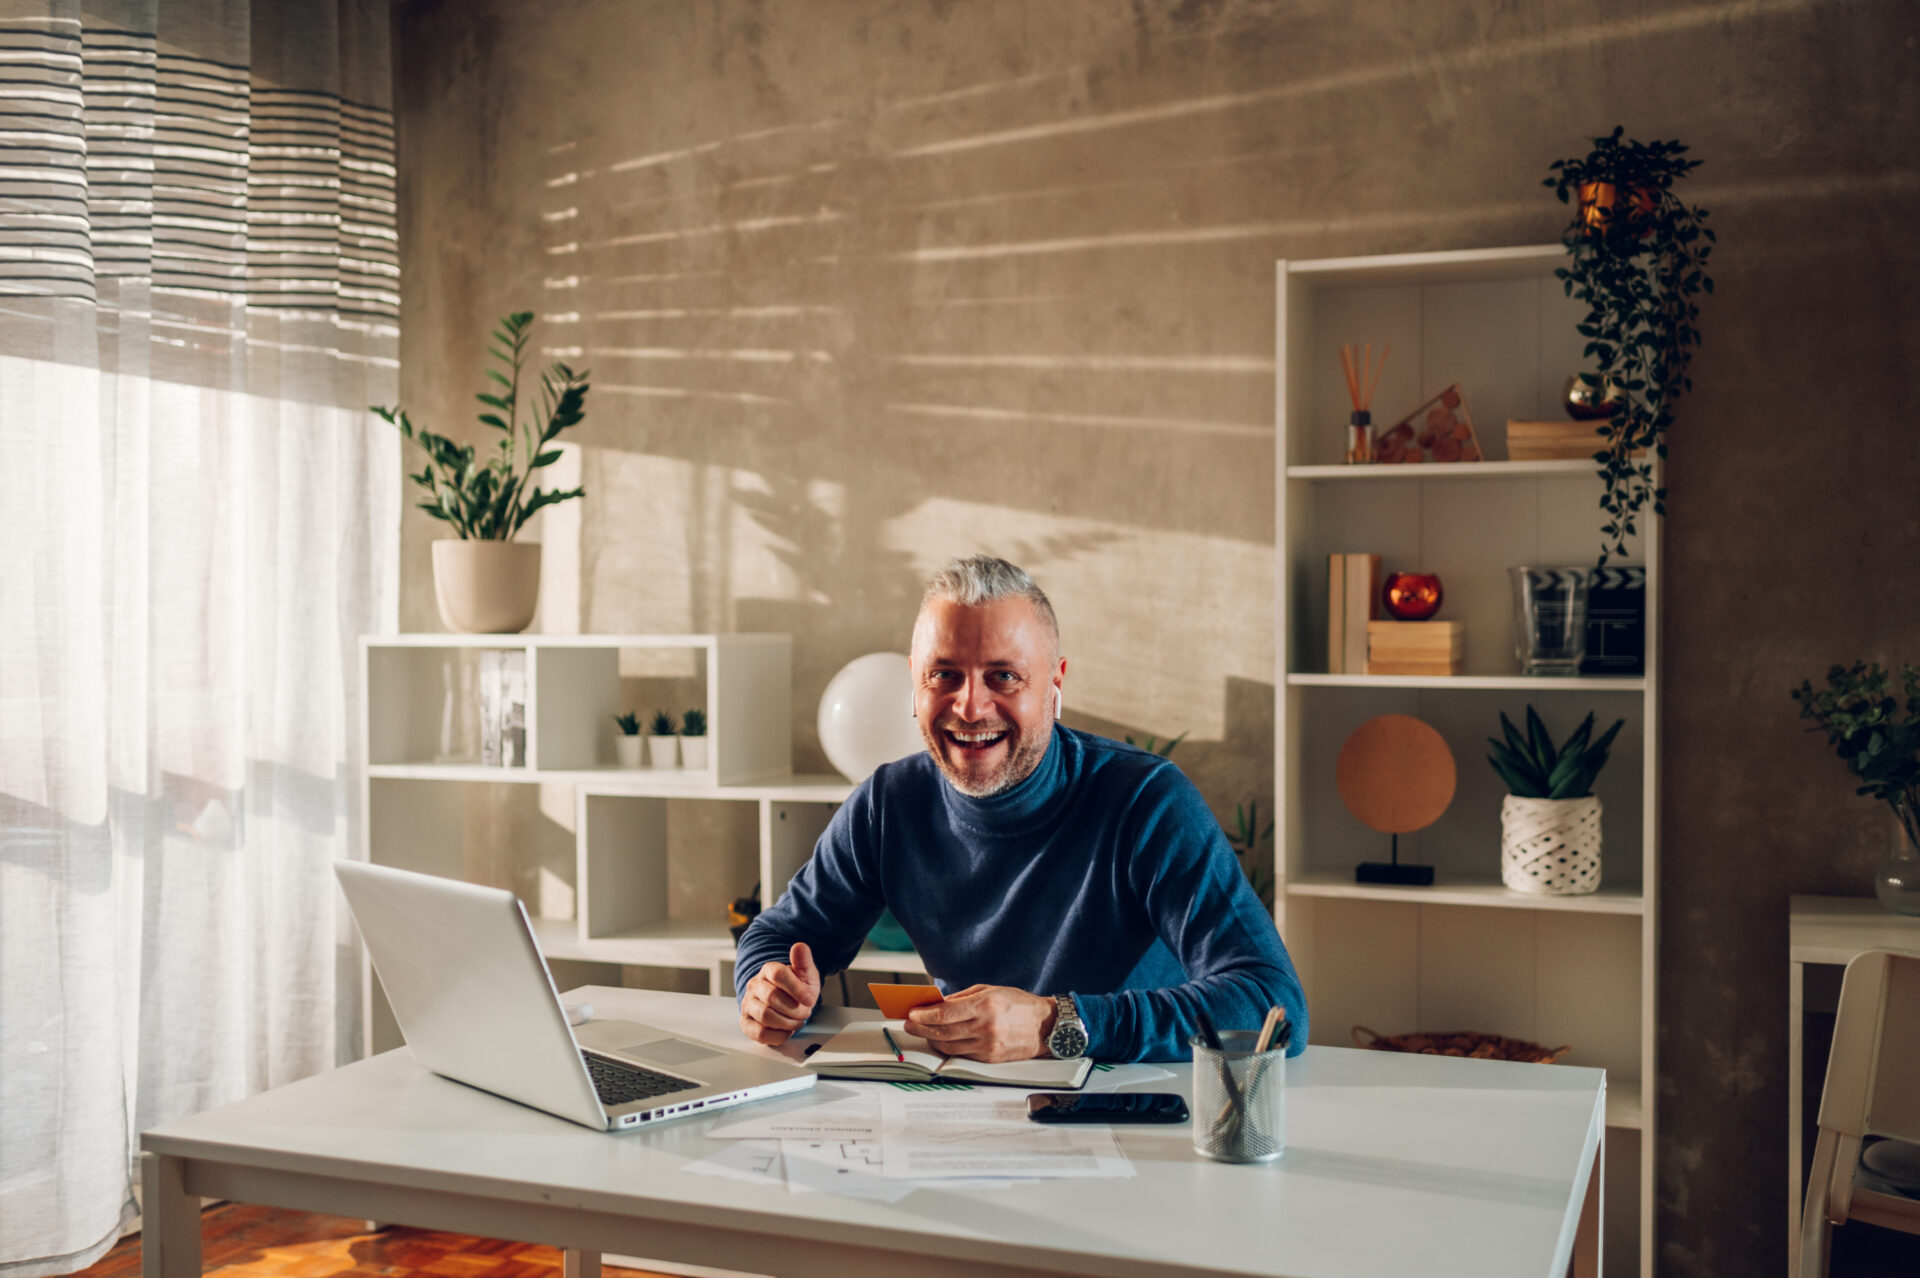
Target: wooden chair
{"type": "Point", "coordinates": [1873, 1089]}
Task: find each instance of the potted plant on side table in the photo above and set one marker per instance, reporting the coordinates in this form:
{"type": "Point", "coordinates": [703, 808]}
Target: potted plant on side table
{"type": "Point", "coordinates": [661, 741]}
{"type": "Point", "coordinates": [484, 581]}
{"type": "Point", "coordinates": [1877, 734]}
{"type": "Point", "coordinates": [1550, 819]}
{"type": "Point", "coordinates": [693, 740]}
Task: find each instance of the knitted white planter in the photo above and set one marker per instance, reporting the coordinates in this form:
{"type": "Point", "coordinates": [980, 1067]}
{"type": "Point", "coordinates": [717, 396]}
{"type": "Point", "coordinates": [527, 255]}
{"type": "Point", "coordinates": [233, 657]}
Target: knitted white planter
{"type": "Point", "coordinates": [1550, 847]}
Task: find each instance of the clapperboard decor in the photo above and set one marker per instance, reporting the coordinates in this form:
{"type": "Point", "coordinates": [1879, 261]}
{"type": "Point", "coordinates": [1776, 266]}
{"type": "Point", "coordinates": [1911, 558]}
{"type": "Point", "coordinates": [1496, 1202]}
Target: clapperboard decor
{"type": "Point", "coordinates": [1616, 622]}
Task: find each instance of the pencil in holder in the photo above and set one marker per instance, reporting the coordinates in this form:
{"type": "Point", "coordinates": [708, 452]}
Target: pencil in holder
{"type": "Point", "coordinates": [1239, 1099]}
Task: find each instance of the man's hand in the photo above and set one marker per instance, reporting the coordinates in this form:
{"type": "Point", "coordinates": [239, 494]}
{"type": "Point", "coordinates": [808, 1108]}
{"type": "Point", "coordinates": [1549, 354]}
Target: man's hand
{"type": "Point", "coordinates": [991, 1023]}
{"type": "Point", "coordinates": [780, 997]}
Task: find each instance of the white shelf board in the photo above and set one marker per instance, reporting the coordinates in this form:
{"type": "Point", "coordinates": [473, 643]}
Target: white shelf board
{"type": "Point", "coordinates": [1623, 1103]}
{"type": "Point", "coordinates": [684, 943]}
{"type": "Point", "coordinates": [1473, 265]}
{"type": "Point", "coordinates": [1447, 470]}
{"type": "Point", "coordinates": [801, 788]}
{"type": "Point", "coordinates": [1516, 682]}
{"type": "Point", "coordinates": [1456, 890]}
{"type": "Point", "coordinates": [524, 640]}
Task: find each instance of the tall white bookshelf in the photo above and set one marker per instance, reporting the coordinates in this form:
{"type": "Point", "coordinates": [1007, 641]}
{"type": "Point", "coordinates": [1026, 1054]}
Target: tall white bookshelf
{"type": "Point", "coordinates": [615, 902]}
{"type": "Point", "coordinates": [1466, 953]}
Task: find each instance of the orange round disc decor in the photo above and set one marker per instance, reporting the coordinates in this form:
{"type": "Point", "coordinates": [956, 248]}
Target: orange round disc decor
{"type": "Point", "coordinates": [1396, 774]}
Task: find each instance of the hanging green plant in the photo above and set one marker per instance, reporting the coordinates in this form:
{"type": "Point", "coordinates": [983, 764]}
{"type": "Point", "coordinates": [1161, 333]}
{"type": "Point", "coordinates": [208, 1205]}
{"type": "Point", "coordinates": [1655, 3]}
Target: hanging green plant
{"type": "Point", "coordinates": [1638, 258]}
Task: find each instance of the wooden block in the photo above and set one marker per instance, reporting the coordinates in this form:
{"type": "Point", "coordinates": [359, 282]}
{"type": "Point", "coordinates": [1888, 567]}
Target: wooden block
{"type": "Point", "coordinates": [1416, 636]}
{"type": "Point", "coordinates": [1437, 669]}
{"type": "Point", "coordinates": [1554, 440]}
{"type": "Point", "coordinates": [1336, 614]}
{"type": "Point", "coordinates": [1416, 647]}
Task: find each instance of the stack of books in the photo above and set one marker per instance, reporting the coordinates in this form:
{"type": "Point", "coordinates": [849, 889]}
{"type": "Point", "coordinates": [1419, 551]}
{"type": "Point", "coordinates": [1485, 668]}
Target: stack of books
{"type": "Point", "coordinates": [1416, 647]}
{"type": "Point", "coordinates": [1353, 600]}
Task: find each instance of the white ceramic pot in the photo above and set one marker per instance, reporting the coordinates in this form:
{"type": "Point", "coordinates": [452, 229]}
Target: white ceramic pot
{"type": "Point", "coordinates": [1550, 847]}
{"type": "Point", "coordinates": [626, 749]}
{"type": "Point", "coordinates": [693, 753]}
{"type": "Point", "coordinates": [486, 587]}
{"type": "Point", "coordinates": [660, 751]}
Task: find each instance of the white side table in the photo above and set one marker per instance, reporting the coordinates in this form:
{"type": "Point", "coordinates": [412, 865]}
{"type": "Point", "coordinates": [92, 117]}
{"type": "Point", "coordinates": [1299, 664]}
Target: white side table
{"type": "Point", "coordinates": [1826, 929]}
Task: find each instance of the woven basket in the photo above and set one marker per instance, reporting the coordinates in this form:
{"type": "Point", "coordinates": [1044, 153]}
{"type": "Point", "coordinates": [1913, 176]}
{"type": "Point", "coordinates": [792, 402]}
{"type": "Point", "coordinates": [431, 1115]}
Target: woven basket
{"type": "Point", "coordinates": [1550, 847]}
{"type": "Point", "coordinates": [1485, 1047]}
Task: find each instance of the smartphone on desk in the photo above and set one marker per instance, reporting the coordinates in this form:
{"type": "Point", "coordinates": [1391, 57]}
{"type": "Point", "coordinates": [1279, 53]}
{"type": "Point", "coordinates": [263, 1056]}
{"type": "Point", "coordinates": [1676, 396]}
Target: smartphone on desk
{"type": "Point", "coordinates": [1106, 1107]}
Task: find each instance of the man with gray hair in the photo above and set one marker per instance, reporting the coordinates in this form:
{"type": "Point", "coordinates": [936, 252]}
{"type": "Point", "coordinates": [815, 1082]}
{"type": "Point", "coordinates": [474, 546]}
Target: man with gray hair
{"type": "Point", "coordinates": [1070, 895]}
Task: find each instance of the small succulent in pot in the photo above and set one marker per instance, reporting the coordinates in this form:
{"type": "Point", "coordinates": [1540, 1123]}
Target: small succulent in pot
{"type": "Point", "coordinates": [693, 723]}
{"type": "Point", "coordinates": [626, 746]}
{"type": "Point", "coordinates": [1550, 818]}
{"type": "Point", "coordinates": [1534, 769]}
{"type": "Point", "coordinates": [663, 744]}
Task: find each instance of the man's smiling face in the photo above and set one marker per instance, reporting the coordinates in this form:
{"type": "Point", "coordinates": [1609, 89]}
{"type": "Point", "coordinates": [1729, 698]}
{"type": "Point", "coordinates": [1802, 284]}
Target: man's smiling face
{"type": "Point", "coordinates": [984, 680]}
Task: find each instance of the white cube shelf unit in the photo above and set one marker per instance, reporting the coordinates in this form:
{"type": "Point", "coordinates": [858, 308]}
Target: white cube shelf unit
{"type": "Point", "coordinates": [414, 799]}
{"type": "Point", "coordinates": [1466, 953]}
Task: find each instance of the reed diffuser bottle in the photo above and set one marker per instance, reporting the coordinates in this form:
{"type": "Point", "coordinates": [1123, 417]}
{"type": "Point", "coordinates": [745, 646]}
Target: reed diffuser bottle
{"type": "Point", "coordinates": [1362, 376]}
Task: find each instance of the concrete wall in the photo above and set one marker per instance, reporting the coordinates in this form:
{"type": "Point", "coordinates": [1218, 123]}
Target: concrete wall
{"type": "Point", "coordinates": [865, 285]}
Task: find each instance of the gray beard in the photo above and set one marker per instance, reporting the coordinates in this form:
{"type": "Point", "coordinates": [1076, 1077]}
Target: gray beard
{"type": "Point", "coordinates": [1019, 766]}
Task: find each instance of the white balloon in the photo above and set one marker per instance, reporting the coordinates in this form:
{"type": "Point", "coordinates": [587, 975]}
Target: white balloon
{"type": "Point", "coordinates": [866, 715]}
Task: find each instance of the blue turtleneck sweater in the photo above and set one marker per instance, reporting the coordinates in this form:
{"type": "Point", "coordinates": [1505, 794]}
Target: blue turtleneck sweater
{"type": "Point", "coordinates": [1102, 875]}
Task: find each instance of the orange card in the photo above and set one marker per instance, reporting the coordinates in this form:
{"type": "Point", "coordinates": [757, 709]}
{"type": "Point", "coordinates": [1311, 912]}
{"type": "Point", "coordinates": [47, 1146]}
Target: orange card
{"type": "Point", "coordinates": [897, 1000]}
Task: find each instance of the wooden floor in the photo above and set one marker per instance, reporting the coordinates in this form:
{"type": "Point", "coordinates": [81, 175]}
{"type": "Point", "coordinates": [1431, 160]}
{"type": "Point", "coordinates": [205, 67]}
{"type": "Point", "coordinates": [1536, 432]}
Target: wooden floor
{"type": "Point", "coordinates": [242, 1241]}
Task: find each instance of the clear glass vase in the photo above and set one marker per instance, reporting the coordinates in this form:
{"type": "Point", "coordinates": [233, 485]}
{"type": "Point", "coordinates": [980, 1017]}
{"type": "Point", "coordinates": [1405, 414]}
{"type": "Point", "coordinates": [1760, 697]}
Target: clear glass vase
{"type": "Point", "coordinates": [1897, 880]}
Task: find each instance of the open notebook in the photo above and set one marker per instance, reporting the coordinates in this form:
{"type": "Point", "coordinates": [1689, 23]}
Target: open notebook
{"type": "Point", "coordinates": [861, 1051]}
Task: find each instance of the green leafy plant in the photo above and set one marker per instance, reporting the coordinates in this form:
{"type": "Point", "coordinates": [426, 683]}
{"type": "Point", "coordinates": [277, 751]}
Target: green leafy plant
{"type": "Point", "coordinates": [1875, 732]}
{"type": "Point", "coordinates": [628, 723]}
{"type": "Point", "coordinates": [1249, 839]}
{"type": "Point", "coordinates": [1534, 769]}
{"type": "Point", "coordinates": [1154, 745]}
{"type": "Point", "coordinates": [662, 724]}
{"type": "Point", "coordinates": [1637, 268]}
{"type": "Point", "coordinates": [491, 499]}
{"type": "Point", "coordinates": [693, 723]}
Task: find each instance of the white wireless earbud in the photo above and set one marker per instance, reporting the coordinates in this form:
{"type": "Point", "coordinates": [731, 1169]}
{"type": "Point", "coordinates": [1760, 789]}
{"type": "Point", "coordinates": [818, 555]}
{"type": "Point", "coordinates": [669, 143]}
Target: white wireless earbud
{"type": "Point", "coordinates": [1056, 703]}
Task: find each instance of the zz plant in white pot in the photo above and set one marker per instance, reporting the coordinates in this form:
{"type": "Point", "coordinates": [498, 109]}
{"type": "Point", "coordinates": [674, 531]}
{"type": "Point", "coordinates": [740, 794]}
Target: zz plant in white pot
{"type": "Point", "coordinates": [1550, 819]}
{"type": "Point", "coordinates": [485, 581]}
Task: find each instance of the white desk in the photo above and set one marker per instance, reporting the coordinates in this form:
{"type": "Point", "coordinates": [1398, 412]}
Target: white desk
{"type": "Point", "coordinates": [1826, 930]}
{"type": "Point", "coordinates": [1395, 1164]}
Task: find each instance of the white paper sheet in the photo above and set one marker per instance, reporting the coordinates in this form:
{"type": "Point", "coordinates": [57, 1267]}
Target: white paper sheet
{"type": "Point", "coordinates": [755, 1161]}
{"type": "Point", "coordinates": [841, 1111]}
{"type": "Point", "coordinates": [987, 1134]}
{"type": "Point", "coordinates": [1114, 1077]}
{"type": "Point", "coordinates": [850, 1168]}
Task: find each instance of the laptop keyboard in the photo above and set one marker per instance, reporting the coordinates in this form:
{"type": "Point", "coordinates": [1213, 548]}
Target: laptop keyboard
{"type": "Point", "coordinates": [619, 1084]}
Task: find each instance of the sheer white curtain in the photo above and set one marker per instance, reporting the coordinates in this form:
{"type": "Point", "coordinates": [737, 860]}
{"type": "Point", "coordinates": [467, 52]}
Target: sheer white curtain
{"type": "Point", "coordinates": [198, 518]}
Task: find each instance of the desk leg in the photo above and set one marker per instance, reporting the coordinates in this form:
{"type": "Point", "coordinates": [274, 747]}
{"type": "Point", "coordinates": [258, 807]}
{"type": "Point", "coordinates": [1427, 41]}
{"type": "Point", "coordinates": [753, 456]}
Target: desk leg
{"type": "Point", "coordinates": [1796, 1080]}
{"type": "Point", "coordinates": [169, 1220]}
{"type": "Point", "coordinates": [1586, 1237]}
{"type": "Point", "coordinates": [580, 1264]}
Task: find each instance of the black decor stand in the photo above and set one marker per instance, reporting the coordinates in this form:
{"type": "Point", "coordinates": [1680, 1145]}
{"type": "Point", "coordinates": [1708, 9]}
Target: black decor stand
{"type": "Point", "coordinates": [1392, 872]}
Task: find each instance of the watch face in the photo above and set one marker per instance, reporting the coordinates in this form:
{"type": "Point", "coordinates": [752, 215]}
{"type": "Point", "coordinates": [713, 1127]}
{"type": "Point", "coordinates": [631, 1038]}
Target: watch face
{"type": "Point", "coordinates": [1068, 1041]}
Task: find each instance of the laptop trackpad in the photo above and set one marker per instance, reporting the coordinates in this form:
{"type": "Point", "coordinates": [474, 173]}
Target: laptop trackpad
{"type": "Point", "coordinates": [667, 1051]}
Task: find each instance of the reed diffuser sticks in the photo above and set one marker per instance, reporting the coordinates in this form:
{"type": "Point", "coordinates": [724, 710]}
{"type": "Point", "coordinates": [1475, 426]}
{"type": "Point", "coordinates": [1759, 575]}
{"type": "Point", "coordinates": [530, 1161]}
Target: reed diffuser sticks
{"type": "Point", "coordinates": [1362, 376]}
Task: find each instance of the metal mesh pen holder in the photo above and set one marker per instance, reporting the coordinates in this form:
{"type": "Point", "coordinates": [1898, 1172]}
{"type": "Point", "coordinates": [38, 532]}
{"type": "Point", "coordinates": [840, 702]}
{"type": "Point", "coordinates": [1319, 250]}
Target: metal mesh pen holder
{"type": "Point", "coordinates": [1245, 1122]}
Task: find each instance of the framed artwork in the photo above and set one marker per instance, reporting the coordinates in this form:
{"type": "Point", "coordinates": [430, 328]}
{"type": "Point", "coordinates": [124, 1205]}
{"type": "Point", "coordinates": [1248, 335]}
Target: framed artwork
{"type": "Point", "coordinates": [1437, 431]}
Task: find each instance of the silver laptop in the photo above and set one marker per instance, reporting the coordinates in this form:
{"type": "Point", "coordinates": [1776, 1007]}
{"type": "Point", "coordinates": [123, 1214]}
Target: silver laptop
{"type": "Point", "coordinates": [476, 1003]}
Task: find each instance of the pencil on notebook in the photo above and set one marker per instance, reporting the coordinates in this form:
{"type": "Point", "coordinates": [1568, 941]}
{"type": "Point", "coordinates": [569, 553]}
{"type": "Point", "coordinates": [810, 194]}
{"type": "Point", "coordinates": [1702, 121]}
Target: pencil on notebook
{"type": "Point", "coordinates": [898, 1055]}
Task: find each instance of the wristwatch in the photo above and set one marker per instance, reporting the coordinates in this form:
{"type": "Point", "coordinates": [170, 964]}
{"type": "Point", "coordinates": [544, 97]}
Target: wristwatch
{"type": "Point", "coordinates": [1069, 1037]}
